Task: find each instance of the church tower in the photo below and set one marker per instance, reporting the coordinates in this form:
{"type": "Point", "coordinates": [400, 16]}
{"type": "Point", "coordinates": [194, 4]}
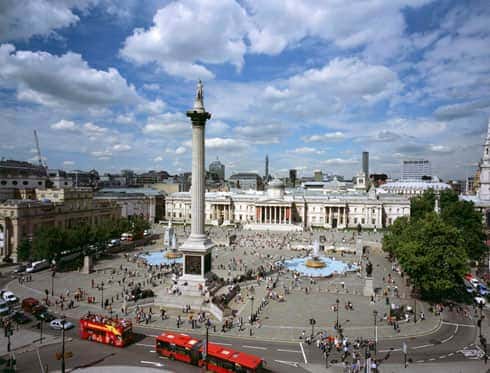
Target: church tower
{"type": "Point", "coordinates": [484, 192]}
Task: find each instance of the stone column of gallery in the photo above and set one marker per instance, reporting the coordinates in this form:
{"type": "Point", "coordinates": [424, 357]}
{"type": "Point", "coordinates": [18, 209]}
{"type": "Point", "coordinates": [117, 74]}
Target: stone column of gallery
{"type": "Point", "coordinates": [197, 248]}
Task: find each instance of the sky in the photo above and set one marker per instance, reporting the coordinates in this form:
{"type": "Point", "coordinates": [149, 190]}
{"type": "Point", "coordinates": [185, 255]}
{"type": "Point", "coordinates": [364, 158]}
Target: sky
{"type": "Point", "coordinates": [311, 83]}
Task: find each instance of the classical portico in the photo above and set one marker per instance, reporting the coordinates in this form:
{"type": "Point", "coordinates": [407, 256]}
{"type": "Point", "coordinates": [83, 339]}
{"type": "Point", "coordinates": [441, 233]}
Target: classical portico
{"type": "Point", "coordinates": [273, 214]}
{"type": "Point", "coordinates": [221, 212]}
{"type": "Point", "coordinates": [336, 216]}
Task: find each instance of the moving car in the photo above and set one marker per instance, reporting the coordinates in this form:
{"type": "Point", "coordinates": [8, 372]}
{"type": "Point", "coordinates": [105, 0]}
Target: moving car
{"type": "Point", "coordinates": [20, 268]}
{"type": "Point", "coordinates": [20, 317]}
{"type": "Point", "coordinates": [114, 242]}
{"type": "Point", "coordinates": [28, 304]}
{"type": "Point", "coordinates": [44, 315]}
{"type": "Point", "coordinates": [38, 266]}
{"type": "Point", "coordinates": [480, 300]}
{"type": "Point", "coordinates": [482, 289]}
{"type": "Point", "coordinates": [57, 324]}
{"type": "Point", "coordinates": [475, 282]}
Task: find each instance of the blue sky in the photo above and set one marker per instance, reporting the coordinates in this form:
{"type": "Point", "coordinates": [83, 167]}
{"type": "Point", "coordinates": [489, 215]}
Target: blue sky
{"type": "Point", "coordinates": [312, 83]}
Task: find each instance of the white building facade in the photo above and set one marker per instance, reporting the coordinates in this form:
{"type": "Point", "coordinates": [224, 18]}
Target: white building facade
{"type": "Point", "coordinates": [297, 208]}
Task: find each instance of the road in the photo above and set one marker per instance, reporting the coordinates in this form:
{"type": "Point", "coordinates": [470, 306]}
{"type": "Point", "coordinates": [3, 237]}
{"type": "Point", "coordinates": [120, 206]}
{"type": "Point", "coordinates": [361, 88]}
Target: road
{"type": "Point", "coordinates": [445, 345]}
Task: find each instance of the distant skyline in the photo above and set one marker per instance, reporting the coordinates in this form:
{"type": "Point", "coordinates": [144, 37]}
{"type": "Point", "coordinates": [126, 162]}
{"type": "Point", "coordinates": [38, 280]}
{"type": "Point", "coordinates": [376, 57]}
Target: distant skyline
{"type": "Point", "coordinates": [312, 83]}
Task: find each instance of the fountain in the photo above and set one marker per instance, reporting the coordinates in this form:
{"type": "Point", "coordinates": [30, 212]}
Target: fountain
{"type": "Point", "coordinates": [315, 261]}
{"type": "Point", "coordinates": [170, 241]}
{"type": "Point", "coordinates": [318, 266]}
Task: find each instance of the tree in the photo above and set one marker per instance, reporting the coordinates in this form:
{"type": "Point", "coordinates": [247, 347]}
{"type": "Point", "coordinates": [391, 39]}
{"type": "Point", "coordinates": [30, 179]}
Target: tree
{"type": "Point", "coordinates": [432, 253]}
{"type": "Point", "coordinates": [24, 250]}
{"type": "Point", "coordinates": [463, 216]}
{"type": "Point", "coordinates": [49, 242]}
{"type": "Point", "coordinates": [422, 205]}
{"type": "Point", "coordinates": [138, 225]}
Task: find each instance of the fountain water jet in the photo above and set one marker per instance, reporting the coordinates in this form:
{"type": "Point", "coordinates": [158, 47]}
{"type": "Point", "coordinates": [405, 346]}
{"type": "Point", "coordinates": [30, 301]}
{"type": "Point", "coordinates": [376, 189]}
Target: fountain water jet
{"type": "Point", "coordinates": [315, 261]}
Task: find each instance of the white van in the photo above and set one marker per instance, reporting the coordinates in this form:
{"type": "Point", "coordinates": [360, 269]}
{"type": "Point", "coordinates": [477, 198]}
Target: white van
{"type": "Point", "coordinates": [38, 266]}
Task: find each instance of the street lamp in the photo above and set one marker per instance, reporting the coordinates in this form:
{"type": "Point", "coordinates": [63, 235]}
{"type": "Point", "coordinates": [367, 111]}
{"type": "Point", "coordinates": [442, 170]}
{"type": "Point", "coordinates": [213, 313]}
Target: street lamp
{"type": "Point", "coordinates": [63, 345]}
{"type": "Point", "coordinates": [101, 288]}
{"type": "Point", "coordinates": [415, 311]}
{"type": "Point", "coordinates": [251, 312]}
{"type": "Point", "coordinates": [208, 324]}
{"type": "Point", "coordinates": [337, 323]}
{"type": "Point", "coordinates": [375, 313]}
{"type": "Point", "coordinates": [53, 273]}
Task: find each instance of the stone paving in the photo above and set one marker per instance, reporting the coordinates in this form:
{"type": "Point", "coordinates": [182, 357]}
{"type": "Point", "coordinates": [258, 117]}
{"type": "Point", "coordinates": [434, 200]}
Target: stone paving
{"type": "Point", "coordinates": [283, 320]}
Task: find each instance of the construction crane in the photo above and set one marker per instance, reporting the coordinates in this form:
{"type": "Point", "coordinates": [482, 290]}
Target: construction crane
{"type": "Point", "coordinates": [39, 158]}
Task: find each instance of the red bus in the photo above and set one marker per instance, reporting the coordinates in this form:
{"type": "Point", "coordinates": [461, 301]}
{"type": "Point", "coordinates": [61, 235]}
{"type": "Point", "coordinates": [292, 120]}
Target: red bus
{"type": "Point", "coordinates": [221, 359]}
{"type": "Point", "coordinates": [112, 331]}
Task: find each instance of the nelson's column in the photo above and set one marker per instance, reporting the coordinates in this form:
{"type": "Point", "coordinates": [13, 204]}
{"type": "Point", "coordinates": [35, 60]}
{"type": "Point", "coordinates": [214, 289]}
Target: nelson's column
{"type": "Point", "coordinates": [197, 248]}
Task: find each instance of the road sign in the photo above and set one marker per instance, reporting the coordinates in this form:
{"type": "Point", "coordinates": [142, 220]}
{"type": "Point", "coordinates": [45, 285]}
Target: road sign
{"type": "Point", "coordinates": [312, 321]}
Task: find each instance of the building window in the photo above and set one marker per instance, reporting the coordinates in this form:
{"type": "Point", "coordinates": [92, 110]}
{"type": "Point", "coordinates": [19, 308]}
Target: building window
{"type": "Point", "coordinates": [39, 183]}
{"type": "Point", "coordinates": [25, 182]}
{"type": "Point", "coordinates": [363, 221]}
{"type": "Point", "coordinates": [373, 221]}
{"type": "Point", "coordinates": [14, 182]}
{"type": "Point", "coordinates": [4, 182]}
{"type": "Point", "coordinates": [355, 220]}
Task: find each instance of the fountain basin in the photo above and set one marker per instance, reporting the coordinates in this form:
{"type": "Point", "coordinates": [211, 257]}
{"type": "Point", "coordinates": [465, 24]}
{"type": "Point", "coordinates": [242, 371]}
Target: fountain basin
{"type": "Point", "coordinates": [158, 257]}
{"type": "Point", "coordinates": [315, 262]}
{"type": "Point", "coordinates": [329, 268]}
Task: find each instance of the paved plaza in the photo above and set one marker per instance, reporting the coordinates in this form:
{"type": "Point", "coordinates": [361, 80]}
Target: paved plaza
{"type": "Point", "coordinates": [284, 302]}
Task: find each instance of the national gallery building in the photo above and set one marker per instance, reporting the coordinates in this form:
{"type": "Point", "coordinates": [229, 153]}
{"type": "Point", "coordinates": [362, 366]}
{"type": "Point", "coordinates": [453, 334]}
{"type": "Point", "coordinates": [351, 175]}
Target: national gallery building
{"type": "Point", "coordinates": [293, 209]}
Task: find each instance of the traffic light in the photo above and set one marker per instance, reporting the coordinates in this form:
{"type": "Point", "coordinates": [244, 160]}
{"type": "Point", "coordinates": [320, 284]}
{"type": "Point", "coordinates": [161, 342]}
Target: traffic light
{"type": "Point", "coordinates": [478, 323]}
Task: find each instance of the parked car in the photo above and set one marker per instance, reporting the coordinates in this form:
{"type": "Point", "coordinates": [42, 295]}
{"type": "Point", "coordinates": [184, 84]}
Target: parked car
{"type": "Point", "coordinates": [20, 317]}
{"type": "Point", "coordinates": [127, 237]}
{"type": "Point", "coordinates": [58, 324]}
{"type": "Point", "coordinates": [468, 276]}
{"type": "Point", "coordinates": [147, 232]}
{"type": "Point", "coordinates": [470, 289]}
{"type": "Point", "coordinates": [4, 308]}
{"type": "Point", "coordinates": [9, 297]}
{"type": "Point", "coordinates": [28, 304]}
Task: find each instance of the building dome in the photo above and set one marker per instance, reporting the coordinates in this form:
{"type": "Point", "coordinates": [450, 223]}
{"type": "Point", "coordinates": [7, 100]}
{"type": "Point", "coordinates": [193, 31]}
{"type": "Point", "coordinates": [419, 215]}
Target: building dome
{"type": "Point", "coordinates": [275, 189]}
{"type": "Point", "coordinates": [275, 184]}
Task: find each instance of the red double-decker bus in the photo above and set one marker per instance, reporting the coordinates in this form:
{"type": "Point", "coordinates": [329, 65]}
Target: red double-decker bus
{"type": "Point", "coordinates": [220, 359]}
{"type": "Point", "coordinates": [112, 331]}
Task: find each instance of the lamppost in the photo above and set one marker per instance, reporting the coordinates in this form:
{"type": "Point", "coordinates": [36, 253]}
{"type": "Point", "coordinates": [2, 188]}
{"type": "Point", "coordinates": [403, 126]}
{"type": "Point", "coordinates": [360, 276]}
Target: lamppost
{"type": "Point", "coordinates": [63, 345]}
{"type": "Point", "coordinates": [251, 312]}
{"type": "Point", "coordinates": [415, 310]}
{"type": "Point", "coordinates": [208, 324]}
{"type": "Point", "coordinates": [375, 313]}
{"type": "Point", "coordinates": [101, 288]}
{"type": "Point", "coordinates": [337, 323]}
{"type": "Point", "coordinates": [53, 273]}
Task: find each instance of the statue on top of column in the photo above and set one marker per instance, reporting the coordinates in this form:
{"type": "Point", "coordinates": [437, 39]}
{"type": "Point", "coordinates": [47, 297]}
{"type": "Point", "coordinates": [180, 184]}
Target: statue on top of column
{"type": "Point", "coordinates": [199, 101]}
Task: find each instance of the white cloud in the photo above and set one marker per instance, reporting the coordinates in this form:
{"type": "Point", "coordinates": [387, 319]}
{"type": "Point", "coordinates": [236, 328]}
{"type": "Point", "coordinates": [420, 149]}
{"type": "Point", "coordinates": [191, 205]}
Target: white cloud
{"type": "Point", "coordinates": [259, 133]}
{"type": "Point", "coordinates": [220, 143]}
{"type": "Point", "coordinates": [340, 161]}
{"type": "Point", "coordinates": [51, 80]}
{"type": "Point", "coordinates": [68, 163]}
{"type": "Point", "coordinates": [326, 137]}
{"type": "Point", "coordinates": [152, 107]}
{"type": "Point", "coordinates": [217, 127]}
{"type": "Point", "coordinates": [151, 87]}
{"type": "Point", "coordinates": [22, 19]}
{"type": "Point", "coordinates": [94, 130]}
{"type": "Point", "coordinates": [186, 34]}
{"type": "Point", "coordinates": [172, 124]}
{"type": "Point", "coordinates": [102, 155]}
{"type": "Point", "coordinates": [125, 118]}
{"type": "Point", "coordinates": [307, 150]}
{"type": "Point", "coordinates": [121, 147]}
{"type": "Point", "coordinates": [180, 150]}
{"type": "Point", "coordinates": [158, 159]}
{"type": "Point", "coordinates": [65, 125]}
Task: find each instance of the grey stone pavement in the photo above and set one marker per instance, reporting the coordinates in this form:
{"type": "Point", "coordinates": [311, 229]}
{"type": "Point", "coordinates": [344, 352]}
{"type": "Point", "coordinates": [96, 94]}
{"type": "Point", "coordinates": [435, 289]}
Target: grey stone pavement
{"type": "Point", "coordinates": [277, 320]}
